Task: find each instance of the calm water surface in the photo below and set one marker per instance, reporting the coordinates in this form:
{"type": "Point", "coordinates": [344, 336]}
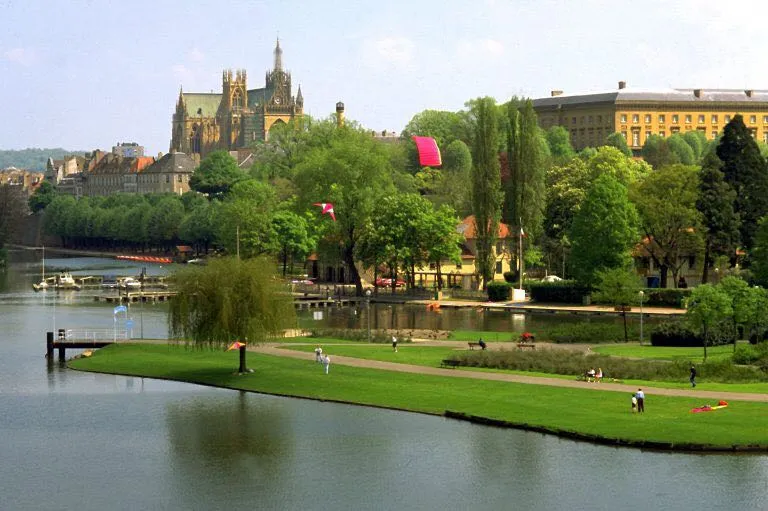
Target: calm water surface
{"type": "Point", "coordinates": [72, 440]}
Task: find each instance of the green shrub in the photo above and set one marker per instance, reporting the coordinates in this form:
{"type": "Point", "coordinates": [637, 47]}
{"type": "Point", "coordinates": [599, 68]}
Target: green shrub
{"type": "Point", "coordinates": [677, 333]}
{"type": "Point", "coordinates": [498, 291]}
{"type": "Point", "coordinates": [751, 354]}
{"type": "Point", "coordinates": [666, 297]}
{"type": "Point", "coordinates": [510, 277]}
{"type": "Point", "coordinates": [577, 363]}
{"type": "Point", "coordinates": [563, 291]}
{"type": "Point", "coordinates": [583, 333]}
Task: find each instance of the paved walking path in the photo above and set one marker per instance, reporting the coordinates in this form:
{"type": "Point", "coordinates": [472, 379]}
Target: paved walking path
{"type": "Point", "coordinates": [275, 349]}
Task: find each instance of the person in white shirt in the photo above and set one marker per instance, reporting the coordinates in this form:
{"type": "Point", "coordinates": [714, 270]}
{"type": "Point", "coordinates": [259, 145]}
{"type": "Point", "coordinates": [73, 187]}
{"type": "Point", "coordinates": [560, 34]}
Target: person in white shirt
{"type": "Point", "coordinates": [394, 344]}
{"type": "Point", "coordinates": [318, 354]}
{"type": "Point", "coordinates": [326, 363]}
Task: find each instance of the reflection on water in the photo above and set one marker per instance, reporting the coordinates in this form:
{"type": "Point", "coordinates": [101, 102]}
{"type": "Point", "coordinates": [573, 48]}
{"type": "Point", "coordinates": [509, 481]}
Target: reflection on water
{"type": "Point", "coordinates": [86, 441]}
{"type": "Point", "coordinates": [412, 316]}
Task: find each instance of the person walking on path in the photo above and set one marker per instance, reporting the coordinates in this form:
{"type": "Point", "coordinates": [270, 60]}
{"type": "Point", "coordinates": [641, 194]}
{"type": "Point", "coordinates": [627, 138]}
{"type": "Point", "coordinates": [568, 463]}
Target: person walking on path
{"type": "Point", "coordinates": [326, 362]}
{"type": "Point", "coordinates": [640, 395]}
{"type": "Point", "coordinates": [693, 376]}
{"type": "Point", "coordinates": [394, 344]}
{"type": "Point", "coordinates": [318, 354]}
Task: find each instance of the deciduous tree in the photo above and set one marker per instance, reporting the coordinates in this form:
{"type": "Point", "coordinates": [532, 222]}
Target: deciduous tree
{"type": "Point", "coordinates": [604, 230]}
{"type": "Point", "coordinates": [229, 300]}
{"type": "Point", "coordinates": [669, 220]}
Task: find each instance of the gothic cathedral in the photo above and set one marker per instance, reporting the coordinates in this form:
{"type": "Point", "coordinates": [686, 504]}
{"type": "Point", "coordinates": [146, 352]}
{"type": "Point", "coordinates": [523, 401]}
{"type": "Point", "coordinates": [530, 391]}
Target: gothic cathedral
{"type": "Point", "coordinates": [237, 117]}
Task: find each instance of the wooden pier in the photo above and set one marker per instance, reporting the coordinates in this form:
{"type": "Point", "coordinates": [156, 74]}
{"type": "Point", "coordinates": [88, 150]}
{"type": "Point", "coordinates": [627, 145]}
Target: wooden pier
{"type": "Point", "coordinates": [136, 296]}
{"type": "Point", "coordinates": [66, 340]}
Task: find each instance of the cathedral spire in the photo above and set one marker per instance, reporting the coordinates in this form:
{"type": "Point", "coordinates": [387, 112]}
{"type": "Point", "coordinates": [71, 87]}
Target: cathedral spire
{"type": "Point", "coordinates": [278, 56]}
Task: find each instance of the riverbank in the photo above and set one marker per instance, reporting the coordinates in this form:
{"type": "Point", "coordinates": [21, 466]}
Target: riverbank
{"type": "Point", "coordinates": [600, 416]}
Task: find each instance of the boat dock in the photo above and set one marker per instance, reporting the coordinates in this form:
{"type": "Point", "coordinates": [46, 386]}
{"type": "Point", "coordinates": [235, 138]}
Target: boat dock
{"type": "Point", "coordinates": [81, 339]}
{"type": "Point", "coordinates": [136, 296]}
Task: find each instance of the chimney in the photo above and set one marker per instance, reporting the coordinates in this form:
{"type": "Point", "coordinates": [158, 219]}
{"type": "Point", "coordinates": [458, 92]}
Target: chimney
{"type": "Point", "coordinates": [622, 85]}
{"type": "Point", "coordinates": [697, 93]}
{"type": "Point", "coordinates": [748, 92]}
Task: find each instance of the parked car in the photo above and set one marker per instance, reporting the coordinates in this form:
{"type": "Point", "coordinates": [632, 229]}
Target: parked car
{"type": "Point", "coordinates": [551, 278]}
{"type": "Point", "coordinates": [387, 282]}
{"type": "Point", "coordinates": [308, 282]}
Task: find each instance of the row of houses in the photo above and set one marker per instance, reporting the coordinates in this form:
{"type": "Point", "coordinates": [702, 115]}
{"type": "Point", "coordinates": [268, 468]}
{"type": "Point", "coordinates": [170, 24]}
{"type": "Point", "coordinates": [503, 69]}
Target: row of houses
{"type": "Point", "coordinates": [27, 180]}
{"type": "Point", "coordinates": [99, 173]}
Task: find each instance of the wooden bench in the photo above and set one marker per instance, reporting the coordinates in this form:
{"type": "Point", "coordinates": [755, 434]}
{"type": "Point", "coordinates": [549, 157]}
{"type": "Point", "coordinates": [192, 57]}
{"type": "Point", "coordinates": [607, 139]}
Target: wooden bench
{"type": "Point", "coordinates": [450, 363]}
{"type": "Point", "coordinates": [526, 346]}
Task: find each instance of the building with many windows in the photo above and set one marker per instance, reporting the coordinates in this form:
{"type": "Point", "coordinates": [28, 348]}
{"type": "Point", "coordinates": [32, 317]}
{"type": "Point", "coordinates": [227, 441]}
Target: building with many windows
{"type": "Point", "coordinates": [637, 114]}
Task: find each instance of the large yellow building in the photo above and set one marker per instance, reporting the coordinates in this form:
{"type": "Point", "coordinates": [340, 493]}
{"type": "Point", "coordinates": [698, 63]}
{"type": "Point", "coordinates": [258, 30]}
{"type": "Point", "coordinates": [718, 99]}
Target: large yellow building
{"type": "Point", "coordinates": [637, 114]}
{"type": "Point", "coordinates": [237, 117]}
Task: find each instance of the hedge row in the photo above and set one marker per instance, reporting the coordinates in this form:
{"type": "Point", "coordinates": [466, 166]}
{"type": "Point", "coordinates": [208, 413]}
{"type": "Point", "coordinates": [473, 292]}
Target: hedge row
{"type": "Point", "coordinates": [569, 291]}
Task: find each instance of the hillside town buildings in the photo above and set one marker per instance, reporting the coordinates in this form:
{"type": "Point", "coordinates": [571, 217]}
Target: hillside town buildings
{"type": "Point", "coordinates": [27, 180]}
{"type": "Point", "coordinates": [637, 113]}
{"type": "Point", "coordinates": [100, 173]}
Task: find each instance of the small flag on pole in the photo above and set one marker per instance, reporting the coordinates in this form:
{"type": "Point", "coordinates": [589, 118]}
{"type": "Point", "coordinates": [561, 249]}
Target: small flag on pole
{"type": "Point", "coordinates": [235, 346]}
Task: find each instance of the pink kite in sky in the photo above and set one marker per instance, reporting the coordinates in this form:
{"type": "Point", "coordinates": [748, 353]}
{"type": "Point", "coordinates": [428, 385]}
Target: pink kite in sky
{"type": "Point", "coordinates": [429, 153]}
{"type": "Point", "coordinates": [327, 209]}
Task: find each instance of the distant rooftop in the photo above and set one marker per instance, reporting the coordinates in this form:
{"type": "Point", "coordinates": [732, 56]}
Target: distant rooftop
{"type": "Point", "coordinates": [629, 94]}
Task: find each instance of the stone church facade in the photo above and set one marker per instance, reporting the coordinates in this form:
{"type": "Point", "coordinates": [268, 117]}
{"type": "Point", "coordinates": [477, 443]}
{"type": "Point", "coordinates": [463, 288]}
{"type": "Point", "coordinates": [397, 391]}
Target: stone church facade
{"type": "Point", "coordinates": [237, 117]}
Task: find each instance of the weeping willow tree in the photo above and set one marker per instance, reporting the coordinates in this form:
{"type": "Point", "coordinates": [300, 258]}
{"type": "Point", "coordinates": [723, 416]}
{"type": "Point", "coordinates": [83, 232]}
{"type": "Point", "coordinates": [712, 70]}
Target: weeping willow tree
{"type": "Point", "coordinates": [230, 300]}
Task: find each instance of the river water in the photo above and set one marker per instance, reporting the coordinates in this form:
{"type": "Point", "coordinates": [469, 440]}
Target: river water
{"type": "Point", "coordinates": [71, 440]}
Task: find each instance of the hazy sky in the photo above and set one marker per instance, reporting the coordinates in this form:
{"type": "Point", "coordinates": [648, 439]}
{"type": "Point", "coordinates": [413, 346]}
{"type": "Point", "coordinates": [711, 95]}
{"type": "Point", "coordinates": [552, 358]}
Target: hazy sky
{"type": "Point", "coordinates": [87, 74]}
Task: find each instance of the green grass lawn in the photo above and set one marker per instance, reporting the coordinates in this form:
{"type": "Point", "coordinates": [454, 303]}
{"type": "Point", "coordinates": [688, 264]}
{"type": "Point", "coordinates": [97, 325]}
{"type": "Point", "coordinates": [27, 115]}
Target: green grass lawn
{"type": "Point", "coordinates": [431, 356]}
{"type": "Point", "coordinates": [474, 335]}
{"type": "Point", "coordinates": [588, 412]}
{"type": "Point", "coordinates": [695, 355]}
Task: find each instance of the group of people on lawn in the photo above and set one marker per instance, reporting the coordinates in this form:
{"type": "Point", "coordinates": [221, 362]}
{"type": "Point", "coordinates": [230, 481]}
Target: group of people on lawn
{"type": "Point", "coordinates": [594, 376]}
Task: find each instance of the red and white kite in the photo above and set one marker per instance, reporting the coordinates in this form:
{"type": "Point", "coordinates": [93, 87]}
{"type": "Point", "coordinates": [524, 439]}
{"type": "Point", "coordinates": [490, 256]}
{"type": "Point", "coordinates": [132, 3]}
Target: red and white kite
{"type": "Point", "coordinates": [327, 209]}
{"type": "Point", "coordinates": [236, 346]}
{"type": "Point", "coordinates": [429, 153]}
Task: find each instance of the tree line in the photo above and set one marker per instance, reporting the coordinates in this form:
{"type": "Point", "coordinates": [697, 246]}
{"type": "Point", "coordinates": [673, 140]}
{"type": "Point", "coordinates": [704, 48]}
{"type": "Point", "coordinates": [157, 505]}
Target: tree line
{"type": "Point", "coordinates": [581, 212]}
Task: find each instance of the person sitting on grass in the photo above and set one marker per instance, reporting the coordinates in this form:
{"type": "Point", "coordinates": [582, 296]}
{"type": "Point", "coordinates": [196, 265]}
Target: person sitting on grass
{"type": "Point", "coordinates": [591, 375]}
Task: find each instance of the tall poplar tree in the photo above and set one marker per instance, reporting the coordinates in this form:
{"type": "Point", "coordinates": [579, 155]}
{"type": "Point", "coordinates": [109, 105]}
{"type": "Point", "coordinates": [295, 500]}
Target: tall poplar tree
{"type": "Point", "coordinates": [486, 185]}
{"type": "Point", "coordinates": [745, 170]}
{"type": "Point", "coordinates": [719, 221]}
{"type": "Point", "coordinates": [526, 188]}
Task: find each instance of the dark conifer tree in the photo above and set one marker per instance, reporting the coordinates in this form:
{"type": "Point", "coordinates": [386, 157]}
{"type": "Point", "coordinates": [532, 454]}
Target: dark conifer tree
{"type": "Point", "coordinates": [746, 172]}
{"type": "Point", "coordinates": [720, 222]}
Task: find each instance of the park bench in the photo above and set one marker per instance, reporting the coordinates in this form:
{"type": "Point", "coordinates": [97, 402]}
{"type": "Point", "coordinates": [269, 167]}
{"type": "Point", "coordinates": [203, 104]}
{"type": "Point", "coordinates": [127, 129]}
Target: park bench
{"type": "Point", "coordinates": [526, 346]}
{"type": "Point", "coordinates": [473, 345]}
{"type": "Point", "coordinates": [449, 363]}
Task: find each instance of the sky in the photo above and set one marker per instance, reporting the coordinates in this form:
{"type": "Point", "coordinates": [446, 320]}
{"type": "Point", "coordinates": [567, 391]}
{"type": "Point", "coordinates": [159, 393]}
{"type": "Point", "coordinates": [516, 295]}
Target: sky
{"type": "Point", "coordinates": [86, 74]}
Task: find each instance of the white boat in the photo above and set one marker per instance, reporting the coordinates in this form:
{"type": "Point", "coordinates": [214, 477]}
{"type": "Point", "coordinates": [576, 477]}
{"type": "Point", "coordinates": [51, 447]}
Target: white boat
{"type": "Point", "coordinates": [43, 284]}
{"type": "Point", "coordinates": [65, 280]}
{"type": "Point", "coordinates": [130, 283]}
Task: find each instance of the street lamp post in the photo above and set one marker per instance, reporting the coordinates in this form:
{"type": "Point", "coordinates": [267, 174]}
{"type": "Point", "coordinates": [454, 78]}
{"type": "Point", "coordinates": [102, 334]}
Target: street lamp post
{"type": "Point", "coordinates": [642, 294]}
{"type": "Point", "coordinates": [368, 311]}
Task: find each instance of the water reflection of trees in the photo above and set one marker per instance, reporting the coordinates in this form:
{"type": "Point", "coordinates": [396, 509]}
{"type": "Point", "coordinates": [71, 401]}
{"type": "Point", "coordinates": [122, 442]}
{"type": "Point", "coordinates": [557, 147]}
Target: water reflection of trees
{"type": "Point", "coordinates": [236, 444]}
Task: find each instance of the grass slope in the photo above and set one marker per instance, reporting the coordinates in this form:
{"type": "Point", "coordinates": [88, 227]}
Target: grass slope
{"type": "Point", "coordinates": [601, 414]}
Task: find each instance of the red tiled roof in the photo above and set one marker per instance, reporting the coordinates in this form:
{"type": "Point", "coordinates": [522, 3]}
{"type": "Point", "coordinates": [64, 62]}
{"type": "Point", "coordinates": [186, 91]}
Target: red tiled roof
{"type": "Point", "coordinates": [467, 229]}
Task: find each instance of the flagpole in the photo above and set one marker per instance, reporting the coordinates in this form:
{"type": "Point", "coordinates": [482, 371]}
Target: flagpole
{"type": "Point", "coordinates": [520, 254]}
